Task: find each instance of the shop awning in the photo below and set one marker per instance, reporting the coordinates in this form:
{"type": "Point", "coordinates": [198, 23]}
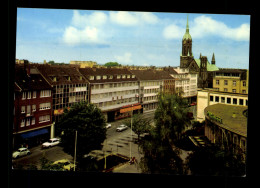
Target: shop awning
{"type": "Point", "coordinates": [35, 133]}
{"type": "Point", "coordinates": [123, 110]}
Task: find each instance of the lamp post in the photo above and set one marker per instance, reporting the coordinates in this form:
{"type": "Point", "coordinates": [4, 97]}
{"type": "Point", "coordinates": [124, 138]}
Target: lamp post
{"type": "Point", "coordinates": [131, 134]}
{"type": "Point", "coordinates": [75, 150]}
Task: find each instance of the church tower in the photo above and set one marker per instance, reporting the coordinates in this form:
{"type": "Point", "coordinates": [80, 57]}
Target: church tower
{"type": "Point", "coordinates": [186, 55]}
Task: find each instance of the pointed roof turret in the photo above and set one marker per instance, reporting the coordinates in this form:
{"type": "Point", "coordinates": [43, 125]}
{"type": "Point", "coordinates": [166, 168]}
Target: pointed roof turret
{"type": "Point", "coordinates": [213, 59]}
{"type": "Point", "coordinates": [187, 33]}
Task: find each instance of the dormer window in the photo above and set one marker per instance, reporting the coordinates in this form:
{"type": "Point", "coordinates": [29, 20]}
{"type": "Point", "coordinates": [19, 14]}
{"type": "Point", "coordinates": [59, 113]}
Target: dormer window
{"type": "Point", "coordinates": [54, 78]}
{"type": "Point", "coordinates": [118, 76]}
{"type": "Point", "coordinates": [110, 77]}
{"type": "Point", "coordinates": [98, 77]}
{"type": "Point", "coordinates": [128, 76]}
{"type": "Point", "coordinates": [133, 76]}
{"type": "Point", "coordinates": [104, 77]}
{"type": "Point", "coordinates": [67, 78]}
{"type": "Point", "coordinates": [91, 77]}
{"type": "Point", "coordinates": [123, 76]}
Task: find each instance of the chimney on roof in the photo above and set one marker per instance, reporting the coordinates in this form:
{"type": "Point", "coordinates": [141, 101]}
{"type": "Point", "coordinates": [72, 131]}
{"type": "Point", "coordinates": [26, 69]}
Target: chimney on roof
{"type": "Point", "coordinates": [26, 66]}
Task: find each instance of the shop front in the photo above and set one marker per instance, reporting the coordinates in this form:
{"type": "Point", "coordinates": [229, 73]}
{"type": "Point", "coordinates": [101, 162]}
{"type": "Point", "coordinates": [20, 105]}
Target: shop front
{"type": "Point", "coordinates": [126, 111]}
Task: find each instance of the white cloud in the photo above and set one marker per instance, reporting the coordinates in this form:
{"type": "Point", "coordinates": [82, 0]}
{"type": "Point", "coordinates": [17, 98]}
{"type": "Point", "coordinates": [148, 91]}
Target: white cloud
{"type": "Point", "coordinates": [74, 36]}
{"type": "Point", "coordinates": [125, 58]}
{"type": "Point", "coordinates": [173, 32]}
{"type": "Point", "coordinates": [86, 29]}
{"type": "Point", "coordinates": [132, 18]}
{"type": "Point", "coordinates": [204, 25]}
{"type": "Point", "coordinates": [94, 19]}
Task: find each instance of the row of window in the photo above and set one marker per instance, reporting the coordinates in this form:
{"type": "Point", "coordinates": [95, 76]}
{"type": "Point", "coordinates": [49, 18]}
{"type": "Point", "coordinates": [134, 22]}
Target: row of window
{"type": "Point", "coordinates": [32, 108]}
{"type": "Point", "coordinates": [150, 98]}
{"type": "Point", "coordinates": [233, 90]}
{"type": "Point", "coordinates": [228, 74]}
{"type": "Point", "coordinates": [114, 94]}
{"type": "Point", "coordinates": [31, 121]}
{"type": "Point", "coordinates": [113, 85]}
{"type": "Point", "coordinates": [29, 94]}
{"type": "Point", "coordinates": [229, 100]}
{"type": "Point", "coordinates": [110, 77]}
{"type": "Point", "coordinates": [234, 83]}
{"type": "Point", "coordinates": [151, 83]}
{"type": "Point", "coordinates": [114, 102]}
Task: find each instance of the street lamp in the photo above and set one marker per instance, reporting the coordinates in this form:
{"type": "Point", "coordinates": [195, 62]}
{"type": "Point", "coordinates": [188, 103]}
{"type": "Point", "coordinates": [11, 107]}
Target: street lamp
{"type": "Point", "coordinates": [75, 150]}
{"type": "Point", "coordinates": [131, 133]}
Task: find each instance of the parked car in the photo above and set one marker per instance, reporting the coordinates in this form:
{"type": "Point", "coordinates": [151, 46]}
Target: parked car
{"type": "Point", "coordinates": [66, 164]}
{"type": "Point", "coordinates": [121, 128]}
{"type": "Point", "coordinates": [108, 125]}
{"type": "Point", "coordinates": [21, 152]}
{"type": "Point", "coordinates": [51, 142]}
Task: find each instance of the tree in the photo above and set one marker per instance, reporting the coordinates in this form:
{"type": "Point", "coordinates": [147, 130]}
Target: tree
{"type": "Point", "coordinates": [112, 64]}
{"type": "Point", "coordinates": [140, 125]}
{"type": "Point", "coordinates": [89, 122]}
{"type": "Point", "coordinates": [212, 160]}
{"type": "Point", "coordinates": [171, 116]}
{"type": "Point", "coordinates": [160, 154]}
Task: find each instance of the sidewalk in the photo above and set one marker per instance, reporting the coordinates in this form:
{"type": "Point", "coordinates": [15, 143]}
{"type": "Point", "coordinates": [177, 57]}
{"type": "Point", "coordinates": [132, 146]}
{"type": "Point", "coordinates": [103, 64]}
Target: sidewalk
{"type": "Point", "coordinates": [127, 168]}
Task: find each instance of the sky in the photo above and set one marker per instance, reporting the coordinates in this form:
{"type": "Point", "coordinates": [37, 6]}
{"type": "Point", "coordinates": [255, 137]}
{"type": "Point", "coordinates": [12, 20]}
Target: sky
{"type": "Point", "coordinates": [130, 38]}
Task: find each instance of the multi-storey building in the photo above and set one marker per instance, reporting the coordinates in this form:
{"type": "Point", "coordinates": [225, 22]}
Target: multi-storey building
{"type": "Point", "coordinates": [207, 97]}
{"type": "Point", "coordinates": [32, 107]}
{"type": "Point", "coordinates": [226, 125]}
{"type": "Point", "coordinates": [68, 84]}
{"type": "Point", "coordinates": [114, 90]}
{"type": "Point", "coordinates": [151, 82]}
{"type": "Point", "coordinates": [231, 80]}
{"type": "Point", "coordinates": [185, 82]}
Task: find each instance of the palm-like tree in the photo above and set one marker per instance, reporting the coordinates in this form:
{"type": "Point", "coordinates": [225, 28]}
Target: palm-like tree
{"type": "Point", "coordinates": [171, 116]}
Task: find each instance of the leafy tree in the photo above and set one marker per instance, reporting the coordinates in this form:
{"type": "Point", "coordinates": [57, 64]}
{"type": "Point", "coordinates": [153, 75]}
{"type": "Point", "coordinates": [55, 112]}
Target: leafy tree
{"type": "Point", "coordinates": [89, 122]}
{"type": "Point", "coordinates": [160, 154]}
{"type": "Point", "coordinates": [171, 116]}
{"type": "Point", "coordinates": [51, 62]}
{"type": "Point", "coordinates": [159, 157]}
{"type": "Point", "coordinates": [112, 64]}
{"type": "Point", "coordinates": [140, 125]}
{"type": "Point", "coordinates": [212, 160]}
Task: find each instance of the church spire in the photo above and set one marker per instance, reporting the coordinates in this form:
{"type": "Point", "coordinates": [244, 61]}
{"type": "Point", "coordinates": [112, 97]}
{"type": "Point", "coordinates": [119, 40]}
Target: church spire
{"type": "Point", "coordinates": [213, 62]}
{"type": "Point", "coordinates": [187, 25]}
{"type": "Point", "coordinates": [187, 33]}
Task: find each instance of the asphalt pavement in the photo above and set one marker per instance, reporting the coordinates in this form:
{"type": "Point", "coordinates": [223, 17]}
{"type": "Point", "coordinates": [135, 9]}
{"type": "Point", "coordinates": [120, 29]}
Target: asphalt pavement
{"type": "Point", "coordinates": [116, 142]}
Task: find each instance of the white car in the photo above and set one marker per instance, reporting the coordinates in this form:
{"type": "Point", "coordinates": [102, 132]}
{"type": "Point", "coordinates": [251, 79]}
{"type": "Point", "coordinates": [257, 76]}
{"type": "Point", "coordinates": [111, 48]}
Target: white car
{"type": "Point", "coordinates": [51, 142]}
{"type": "Point", "coordinates": [21, 152]}
{"type": "Point", "coordinates": [121, 128]}
{"type": "Point", "coordinates": [108, 125]}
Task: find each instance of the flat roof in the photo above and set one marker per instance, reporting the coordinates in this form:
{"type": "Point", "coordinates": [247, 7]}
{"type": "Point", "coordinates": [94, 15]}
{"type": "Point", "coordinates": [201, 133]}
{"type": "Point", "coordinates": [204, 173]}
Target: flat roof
{"type": "Point", "coordinates": [233, 118]}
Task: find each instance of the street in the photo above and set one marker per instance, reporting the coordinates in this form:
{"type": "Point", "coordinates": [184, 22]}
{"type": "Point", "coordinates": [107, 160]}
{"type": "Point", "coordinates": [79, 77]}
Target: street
{"type": "Point", "coordinates": [116, 142]}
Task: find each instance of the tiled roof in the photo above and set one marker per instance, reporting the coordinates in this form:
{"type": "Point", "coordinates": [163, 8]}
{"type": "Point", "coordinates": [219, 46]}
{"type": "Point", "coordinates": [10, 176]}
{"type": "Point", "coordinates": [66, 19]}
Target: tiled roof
{"type": "Point", "coordinates": [210, 67]}
{"type": "Point", "coordinates": [61, 74]}
{"type": "Point", "coordinates": [23, 81]}
{"type": "Point", "coordinates": [151, 74]}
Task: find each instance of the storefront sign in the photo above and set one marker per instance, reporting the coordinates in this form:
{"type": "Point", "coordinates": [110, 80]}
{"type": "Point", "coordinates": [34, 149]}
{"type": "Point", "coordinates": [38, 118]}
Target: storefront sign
{"type": "Point", "coordinates": [60, 111]}
{"type": "Point", "coordinates": [130, 109]}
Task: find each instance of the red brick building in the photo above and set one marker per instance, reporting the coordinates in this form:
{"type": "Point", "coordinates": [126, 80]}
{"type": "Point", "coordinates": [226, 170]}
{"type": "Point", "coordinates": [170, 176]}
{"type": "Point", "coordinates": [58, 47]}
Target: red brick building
{"type": "Point", "coordinates": [32, 107]}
